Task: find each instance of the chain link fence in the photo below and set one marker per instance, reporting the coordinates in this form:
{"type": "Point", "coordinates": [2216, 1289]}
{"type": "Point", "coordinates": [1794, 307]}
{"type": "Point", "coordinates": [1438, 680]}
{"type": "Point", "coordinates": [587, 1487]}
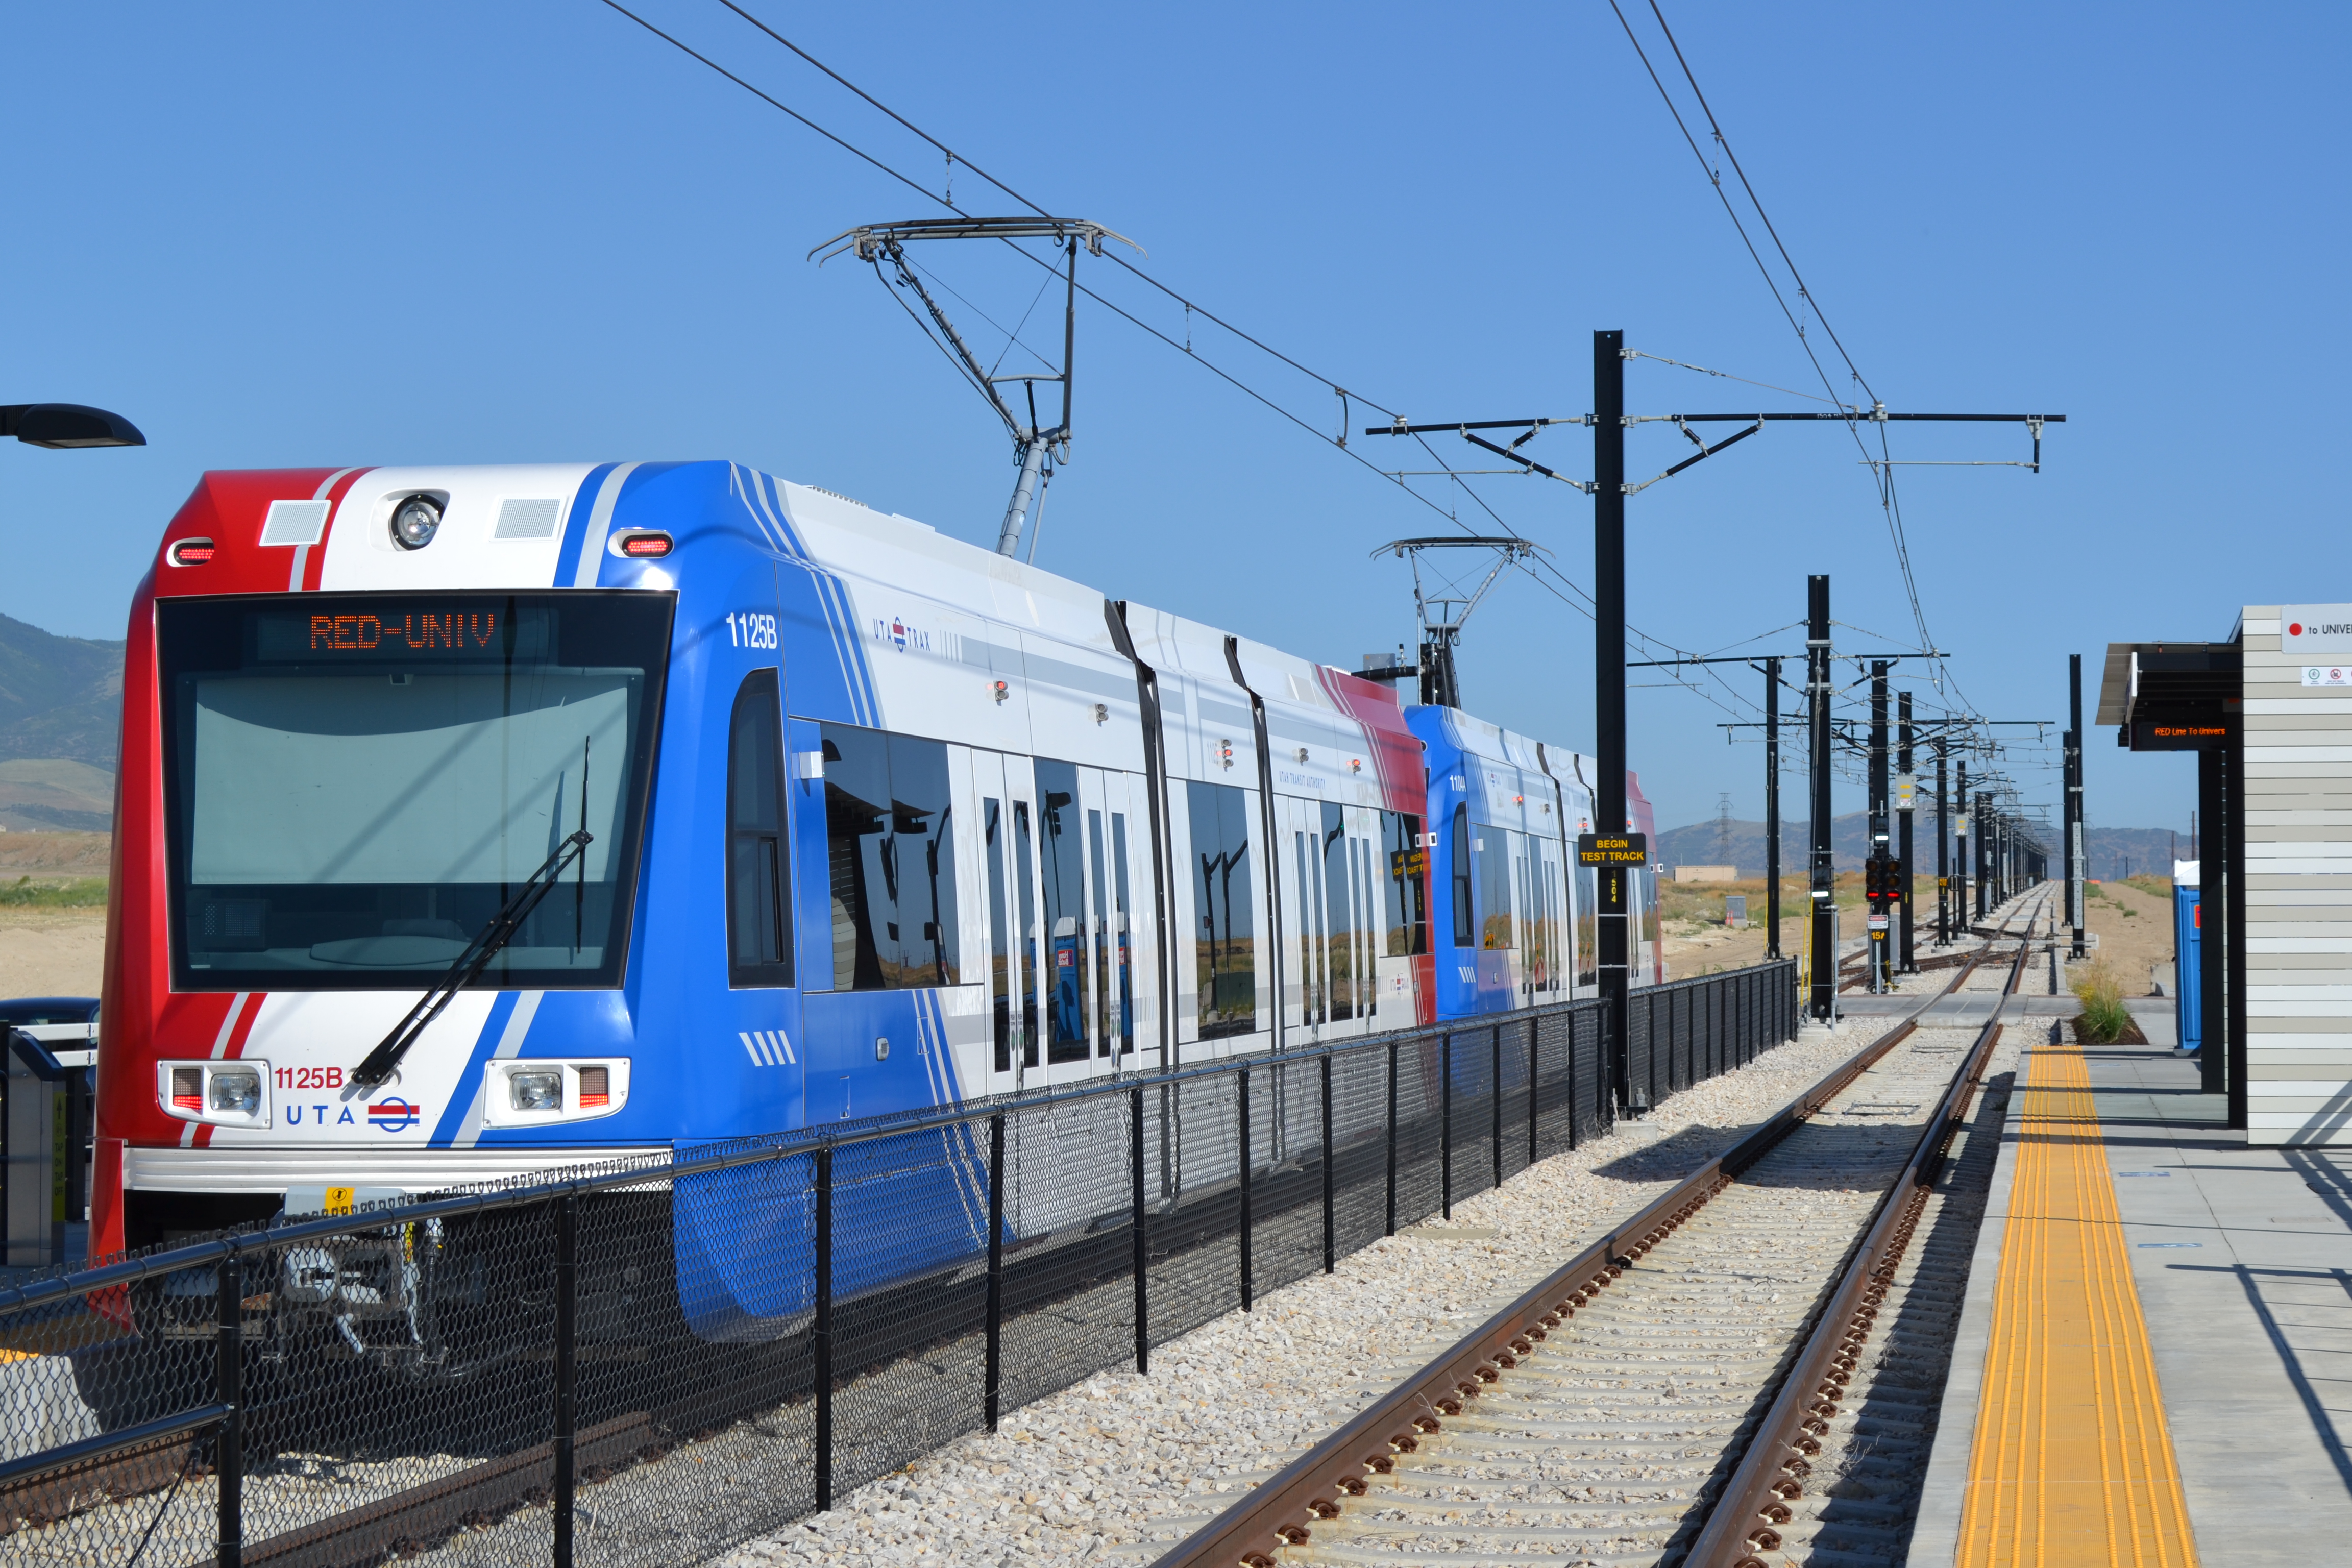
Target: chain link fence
{"type": "Point", "coordinates": [653, 1362]}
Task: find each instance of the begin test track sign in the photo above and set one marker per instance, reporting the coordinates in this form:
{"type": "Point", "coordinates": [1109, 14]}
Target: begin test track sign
{"type": "Point", "coordinates": [1612, 850]}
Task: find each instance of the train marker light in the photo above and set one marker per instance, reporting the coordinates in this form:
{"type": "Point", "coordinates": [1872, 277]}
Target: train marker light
{"type": "Point", "coordinates": [414, 521]}
{"type": "Point", "coordinates": [535, 1090]}
{"type": "Point", "coordinates": [645, 546]}
{"type": "Point", "coordinates": [192, 551]}
{"type": "Point", "coordinates": [595, 1088]}
{"type": "Point", "coordinates": [188, 1089]}
{"type": "Point", "coordinates": [237, 1091]}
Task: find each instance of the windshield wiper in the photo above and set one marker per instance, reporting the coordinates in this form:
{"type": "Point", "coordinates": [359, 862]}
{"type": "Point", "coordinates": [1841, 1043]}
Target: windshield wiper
{"type": "Point", "coordinates": [478, 953]}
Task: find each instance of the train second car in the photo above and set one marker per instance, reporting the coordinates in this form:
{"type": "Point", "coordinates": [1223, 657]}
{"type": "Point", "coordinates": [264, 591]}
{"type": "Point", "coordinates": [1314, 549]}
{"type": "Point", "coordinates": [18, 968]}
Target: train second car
{"type": "Point", "coordinates": [706, 805]}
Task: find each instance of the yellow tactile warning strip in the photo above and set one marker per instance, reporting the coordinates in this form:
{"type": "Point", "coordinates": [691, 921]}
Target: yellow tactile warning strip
{"type": "Point", "coordinates": [2073, 1461]}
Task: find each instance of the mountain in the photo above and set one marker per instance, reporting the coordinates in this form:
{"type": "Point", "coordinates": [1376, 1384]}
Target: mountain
{"type": "Point", "coordinates": [51, 793]}
{"type": "Point", "coordinates": [2109, 851]}
{"type": "Point", "coordinates": [60, 697]}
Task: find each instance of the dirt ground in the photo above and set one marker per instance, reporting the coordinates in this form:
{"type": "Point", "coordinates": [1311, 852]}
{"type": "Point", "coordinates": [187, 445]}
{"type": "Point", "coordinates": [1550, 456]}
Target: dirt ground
{"type": "Point", "coordinates": [52, 953]}
{"type": "Point", "coordinates": [44, 855]}
{"type": "Point", "coordinates": [1697, 943]}
{"type": "Point", "coordinates": [2133, 922]}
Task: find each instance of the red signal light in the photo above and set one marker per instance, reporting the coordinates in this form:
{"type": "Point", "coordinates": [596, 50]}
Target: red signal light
{"type": "Point", "coordinates": [192, 551]}
{"type": "Point", "coordinates": [645, 546]}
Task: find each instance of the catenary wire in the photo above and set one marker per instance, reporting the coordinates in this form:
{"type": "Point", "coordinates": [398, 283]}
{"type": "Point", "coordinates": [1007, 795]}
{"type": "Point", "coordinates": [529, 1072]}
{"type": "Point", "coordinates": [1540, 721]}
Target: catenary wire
{"type": "Point", "coordinates": [1648, 642]}
{"type": "Point", "coordinates": [1889, 501]}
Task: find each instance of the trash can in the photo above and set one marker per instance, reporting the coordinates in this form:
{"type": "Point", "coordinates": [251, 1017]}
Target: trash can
{"type": "Point", "coordinates": [2187, 983]}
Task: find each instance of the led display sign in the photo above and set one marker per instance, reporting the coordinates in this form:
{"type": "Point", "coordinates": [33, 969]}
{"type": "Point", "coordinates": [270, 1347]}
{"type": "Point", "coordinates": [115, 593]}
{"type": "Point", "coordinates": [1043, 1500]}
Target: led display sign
{"type": "Point", "coordinates": [488, 631]}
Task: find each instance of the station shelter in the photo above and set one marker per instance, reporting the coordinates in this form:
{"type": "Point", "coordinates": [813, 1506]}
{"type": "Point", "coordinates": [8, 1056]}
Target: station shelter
{"type": "Point", "coordinates": [2268, 714]}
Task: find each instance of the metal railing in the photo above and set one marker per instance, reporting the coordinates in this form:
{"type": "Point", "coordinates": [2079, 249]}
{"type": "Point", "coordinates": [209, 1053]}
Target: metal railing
{"type": "Point", "coordinates": [656, 1361]}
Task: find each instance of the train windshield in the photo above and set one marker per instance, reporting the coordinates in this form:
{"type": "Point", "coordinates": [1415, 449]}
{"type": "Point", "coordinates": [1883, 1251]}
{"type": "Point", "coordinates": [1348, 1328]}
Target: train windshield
{"type": "Point", "coordinates": [357, 782]}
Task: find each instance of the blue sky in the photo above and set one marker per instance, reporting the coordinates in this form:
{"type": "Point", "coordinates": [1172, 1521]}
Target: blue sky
{"type": "Point", "coordinates": [331, 235]}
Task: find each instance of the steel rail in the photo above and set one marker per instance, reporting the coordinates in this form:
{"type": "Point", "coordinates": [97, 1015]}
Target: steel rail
{"type": "Point", "coordinates": [1755, 1501]}
{"type": "Point", "coordinates": [1282, 1511]}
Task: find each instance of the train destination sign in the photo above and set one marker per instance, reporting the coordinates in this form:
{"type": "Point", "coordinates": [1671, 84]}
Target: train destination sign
{"type": "Point", "coordinates": [485, 630]}
{"type": "Point", "coordinates": [1612, 850]}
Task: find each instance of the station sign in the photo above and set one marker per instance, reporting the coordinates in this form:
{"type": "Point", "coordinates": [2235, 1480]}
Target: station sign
{"type": "Point", "coordinates": [1612, 850]}
{"type": "Point", "coordinates": [2307, 630]}
{"type": "Point", "coordinates": [2147, 735]}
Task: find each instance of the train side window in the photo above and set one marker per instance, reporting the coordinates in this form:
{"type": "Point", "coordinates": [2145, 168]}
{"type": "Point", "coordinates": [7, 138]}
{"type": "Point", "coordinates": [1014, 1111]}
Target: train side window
{"type": "Point", "coordinates": [1100, 935]}
{"type": "Point", "coordinates": [1125, 941]}
{"type": "Point", "coordinates": [1340, 919]}
{"type": "Point", "coordinates": [1062, 876]}
{"type": "Point", "coordinates": [1494, 851]}
{"type": "Point", "coordinates": [1227, 962]}
{"type": "Point", "coordinates": [1466, 913]}
{"type": "Point", "coordinates": [1587, 926]}
{"type": "Point", "coordinates": [1408, 893]}
{"type": "Point", "coordinates": [890, 860]}
{"type": "Point", "coordinates": [759, 915]}
{"type": "Point", "coordinates": [1024, 895]}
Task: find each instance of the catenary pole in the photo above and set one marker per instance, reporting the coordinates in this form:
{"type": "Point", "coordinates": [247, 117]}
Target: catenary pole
{"type": "Point", "coordinates": [2074, 835]}
{"type": "Point", "coordinates": [1771, 808]}
{"type": "Point", "coordinates": [1879, 911]}
{"type": "Point", "coordinates": [1823, 868]}
{"type": "Point", "coordinates": [1609, 674]}
{"type": "Point", "coordinates": [1903, 799]}
{"type": "Point", "coordinates": [1942, 854]}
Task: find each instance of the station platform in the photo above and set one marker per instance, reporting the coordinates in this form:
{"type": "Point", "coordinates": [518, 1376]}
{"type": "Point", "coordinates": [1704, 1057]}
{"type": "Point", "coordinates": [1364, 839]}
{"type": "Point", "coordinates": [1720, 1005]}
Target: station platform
{"type": "Point", "coordinates": [2155, 1362]}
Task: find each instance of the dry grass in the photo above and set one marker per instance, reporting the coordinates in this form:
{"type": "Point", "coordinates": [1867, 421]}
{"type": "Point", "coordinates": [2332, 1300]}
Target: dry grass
{"type": "Point", "coordinates": [2104, 1018]}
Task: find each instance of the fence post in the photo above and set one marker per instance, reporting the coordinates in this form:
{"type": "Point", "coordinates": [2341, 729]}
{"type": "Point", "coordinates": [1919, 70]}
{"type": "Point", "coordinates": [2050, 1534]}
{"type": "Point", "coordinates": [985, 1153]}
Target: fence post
{"type": "Point", "coordinates": [1331, 1219]}
{"type": "Point", "coordinates": [1535, 1035]}
{"type": "Point", "coordinates": [1445, 1123]}
{"type": "Point", "coordinates": [1393, 1046]}
{"type": "Point", "coordinates": [822, 1341]}
{"type": "Point", "coordinates": [992, 1377]}
{"type": "Point", "coordinates": [228, 1458]}
{"type": "Point", "coordinates": [1246, 1216]}
{"type": "Point", "coordinates": [1142, 1242]}
{"type": "Point", "coordinates": [567, 1370]}
{"type": "Point", "coordinates": [1499, 1103]}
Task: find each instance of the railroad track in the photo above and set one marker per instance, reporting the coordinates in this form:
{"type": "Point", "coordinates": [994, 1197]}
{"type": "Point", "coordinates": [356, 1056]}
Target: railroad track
{"type": "Point", "coordinates": [1706, 1382]}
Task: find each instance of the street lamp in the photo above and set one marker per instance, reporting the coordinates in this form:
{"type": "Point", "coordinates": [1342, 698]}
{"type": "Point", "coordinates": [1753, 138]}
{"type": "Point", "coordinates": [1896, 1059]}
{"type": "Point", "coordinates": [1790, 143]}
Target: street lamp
{"type": "Point", "coordinates": [67, 424]}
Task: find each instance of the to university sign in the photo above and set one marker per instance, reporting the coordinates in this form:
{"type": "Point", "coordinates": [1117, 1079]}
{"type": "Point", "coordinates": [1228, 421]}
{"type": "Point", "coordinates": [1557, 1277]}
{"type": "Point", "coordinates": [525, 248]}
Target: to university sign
{"type": "Point", "coordinates": [2307, 630]}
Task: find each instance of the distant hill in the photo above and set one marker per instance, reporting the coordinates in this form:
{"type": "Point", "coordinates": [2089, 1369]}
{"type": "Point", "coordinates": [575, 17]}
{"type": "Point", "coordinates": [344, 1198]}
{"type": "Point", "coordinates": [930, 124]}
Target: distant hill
{"type": "Point", "coordinates": [2109, 850]}
{"type": "Point", "coordinates": [60, 697]}
{"type": "Point", "coordinates": [53, 793]}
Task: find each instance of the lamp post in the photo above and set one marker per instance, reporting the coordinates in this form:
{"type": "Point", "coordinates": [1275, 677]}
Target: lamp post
{"type": "Point", "coordinates": [67, 424]}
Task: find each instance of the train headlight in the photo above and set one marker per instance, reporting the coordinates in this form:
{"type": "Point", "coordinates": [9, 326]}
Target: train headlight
{"type": "Point", "coordinates": [237, 1091]}
{"type": "Point", "coordinates": [535, 1090]}
{"type": "Point", "coordinates": [415, 522]}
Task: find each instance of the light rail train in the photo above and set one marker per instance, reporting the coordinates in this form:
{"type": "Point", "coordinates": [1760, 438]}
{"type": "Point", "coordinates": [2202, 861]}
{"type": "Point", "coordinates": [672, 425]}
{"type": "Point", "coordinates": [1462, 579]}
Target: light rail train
{"type": "Point", "coordinates": [820, 815]}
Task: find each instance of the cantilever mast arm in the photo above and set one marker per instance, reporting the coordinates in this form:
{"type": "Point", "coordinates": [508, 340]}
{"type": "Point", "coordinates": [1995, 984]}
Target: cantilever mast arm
{"type": "Point", "coordinates": [471, 963]}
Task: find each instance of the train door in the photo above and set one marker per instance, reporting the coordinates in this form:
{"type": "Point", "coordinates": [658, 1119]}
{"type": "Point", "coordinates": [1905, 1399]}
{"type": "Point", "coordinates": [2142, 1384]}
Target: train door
{"type": "Point", "coordinates": [1401, 864]}
{"type": "Point", "coordinates": [1008, 823]}
{"type": "Point", "coordinates": [1087, 842]}
{"type": "Point", "coordinates": [1551, 885]}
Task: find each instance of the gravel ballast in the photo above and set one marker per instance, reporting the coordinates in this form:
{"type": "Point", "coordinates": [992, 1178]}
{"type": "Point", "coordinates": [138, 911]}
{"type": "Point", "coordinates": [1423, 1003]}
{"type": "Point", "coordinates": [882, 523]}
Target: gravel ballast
{"type": "Point", "coordinates": [1115, 1467]}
